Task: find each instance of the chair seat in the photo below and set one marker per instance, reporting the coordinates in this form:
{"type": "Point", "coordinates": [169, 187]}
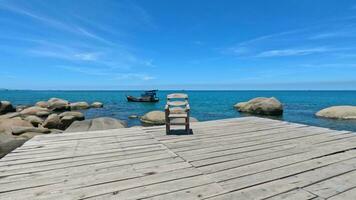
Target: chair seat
{"type": "Point", "coordinates": [180, 115]}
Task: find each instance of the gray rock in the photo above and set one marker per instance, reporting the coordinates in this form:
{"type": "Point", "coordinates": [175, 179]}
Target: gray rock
{"type": "Point", "coordinates": [42, 104]}
{"type": "Point", "coordinates": [77, 115]}
{"type": "Point", "coordinates": [9, 143]}
{"type": "Point", "coordinates": [261, 106]}
{"type": "Point", "coordinates": [79, 106]}
{"type": "Point", "coordinates": [56, 131]}
{"type": "Point", "coordinates": [133, 116]}
{"type": "Point", "coordinates": [57, 104]}
{"type": "Point", "coordinates": [338, 112]}
{"type": "Point", "coordinates": [79, 126]}
{"type": "Point", "coordinates": [10, 115]}
{"type": "Point", "coordinates": [18, 130]}
{"type": "Point", "coordinates": [52, 121]}
{"type": "Point", "coordinates": [6, 107]}
{"type": "Point", "coordinates": [153, 118]}
{"type": "Point", "coordinates": [29, 135]}
{"type": "Point", "coordinates": [21, 108]}
{"type": "Point", "coordinates": [34, 110]}
{"type": "Point", "coordinates": [104, 123]}
{"type": "Point", "coordinates": [6, 125]}
{"type": "Point", "coordinates": [97, 105]}
{"type": "Point", "coordinates": [34, 120]}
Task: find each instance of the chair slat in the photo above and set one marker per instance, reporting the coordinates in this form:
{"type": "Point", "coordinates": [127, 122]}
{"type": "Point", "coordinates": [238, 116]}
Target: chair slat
{"type": "Point", "coordinates": [177, 103]}
{"type": "Point", "coordinates": [177, 96]}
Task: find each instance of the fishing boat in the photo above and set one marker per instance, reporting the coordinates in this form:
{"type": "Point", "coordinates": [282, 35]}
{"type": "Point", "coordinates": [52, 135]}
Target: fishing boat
{"type": "Point", "coordinates": [147, 96]}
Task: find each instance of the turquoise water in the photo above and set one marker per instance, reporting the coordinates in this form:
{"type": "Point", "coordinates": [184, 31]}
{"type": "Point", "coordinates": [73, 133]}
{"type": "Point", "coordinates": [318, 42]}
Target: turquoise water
{"type": "Point", "coordinates": [300, 106]}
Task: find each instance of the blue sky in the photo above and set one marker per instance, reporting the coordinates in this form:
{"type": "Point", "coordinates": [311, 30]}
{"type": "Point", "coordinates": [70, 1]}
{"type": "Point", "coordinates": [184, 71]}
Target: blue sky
{"type": "Point", "coordinates": [112, 44]}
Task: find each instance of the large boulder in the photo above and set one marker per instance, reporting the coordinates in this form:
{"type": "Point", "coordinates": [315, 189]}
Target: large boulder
{"type": "Point", "coordinates": [52, 121]}
{"type": "Point", "coordinates": [9, 143]}
{"type": "Point", "coordinates": [67, 118]}
{"type": "Point", "coordinates": [34, 120]}
{"type": "Point", "coordinates": [338, 112]}
{"type": "Point", "coordinates": [6, 107]}
{"type": "Point", "coordinates": [76, 115]}
{"type": "Point", "coordinates": [34, 110]}
{"type": "Point", "coordinates": [153, 118]}
{"type": "Point", "coordinates": [18, 130]}
{"type": "Point", "coordinates": [6, 125]}
{"type": "Point", "coordinates": [79, 126]}
{"type": "Point", "coordinates": [79, 106]}
{"type": "Point", "coordinates": [10, 115]}
{"type": "Point", "coordinates": [57, 104]}
{"type": "Point", "coordinates": [42, 104]}
{"type": "Point", "coordinates": [97, 105]}
{"type": "Point", "coordinates": [20, 108]}
{"type": "Point", "coordinates": [261, 106]}
{"type": "Point", "coordinates": [102, 123]}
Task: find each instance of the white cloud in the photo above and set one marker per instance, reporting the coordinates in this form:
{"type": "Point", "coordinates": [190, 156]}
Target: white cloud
{"type": "Point", "coordinates": [293, 52]}
{"type": "Point", "coordinates": [87, 56]}
{"type": "Point", "coordinates": [108, 73]}
{"type": "Point", "coordinates": [56, 23]}
{"type": "Point", "coordinates": [133, 76]}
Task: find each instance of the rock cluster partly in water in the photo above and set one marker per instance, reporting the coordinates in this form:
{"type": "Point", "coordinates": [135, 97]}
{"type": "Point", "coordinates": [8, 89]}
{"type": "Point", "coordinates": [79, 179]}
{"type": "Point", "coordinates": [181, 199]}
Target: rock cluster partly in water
{"type": "Point", "coordinates": [261, 106]}
{"type": "Point", "coordinates": [53, 116]}
{"type": "Point", "coordinates": [338, 112]}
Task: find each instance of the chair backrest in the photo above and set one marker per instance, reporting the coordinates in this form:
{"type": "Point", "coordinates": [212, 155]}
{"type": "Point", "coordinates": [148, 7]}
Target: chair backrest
{"type": "Point", "coordinates": [177, 100]}
{"type": "Point", "coordinates": [177, 96]}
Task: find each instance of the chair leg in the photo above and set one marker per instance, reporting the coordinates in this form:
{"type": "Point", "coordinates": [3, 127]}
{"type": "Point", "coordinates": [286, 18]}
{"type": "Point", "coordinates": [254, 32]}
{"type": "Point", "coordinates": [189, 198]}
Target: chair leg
{"type": "Point", "coordinates": [168, 127]}
{"type": "Point", "coordinates": [187, 128]}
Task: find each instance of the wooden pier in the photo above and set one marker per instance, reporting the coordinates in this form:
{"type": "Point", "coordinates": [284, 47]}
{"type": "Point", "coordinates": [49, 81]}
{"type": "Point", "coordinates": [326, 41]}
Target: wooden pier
{"type": "Point", "coordinates": [241, 158]}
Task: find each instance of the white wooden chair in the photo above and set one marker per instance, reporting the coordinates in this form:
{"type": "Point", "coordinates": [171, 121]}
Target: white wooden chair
{"type": "Point", "coordinates": [177, 107]}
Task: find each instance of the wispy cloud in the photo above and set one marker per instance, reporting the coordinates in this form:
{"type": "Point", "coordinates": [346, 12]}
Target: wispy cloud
{"type": "Point", "coordinates": [49, 21]}
{"type": "Point", "coordinates": [107, 73]}
{"type": "Point", "coordinates": [294, 52]}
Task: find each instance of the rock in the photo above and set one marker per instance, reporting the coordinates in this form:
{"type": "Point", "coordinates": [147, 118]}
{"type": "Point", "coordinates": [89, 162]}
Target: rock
{"type": "Point", "coordinates": [18, 130]}
{"type": "Point", "coordinates": [76, 115]}
{"type": "Point", "coordinates": [29, 135]}
{"type": "Point", "coordinates": [79, 106]}
{"type": "Point", "coordinates": [10, 115]}
{"type": "Point", "coordinates": [56, 131]}
{"type": "Point", "coordinates": [133, 116]}
{"type": "Point", "coordinates": [261, 106]}
{"type": "Point", "coordinates": [97, 105]}
{"type": "Point", "coordinates": [34, 120]}
{"type": "Point", "coordinates": [79, 126]}
{"type": "Point", "coordinates": [52, 121]}
{"type": "Point", "coordinates": [153, 118]}
{"type": "Point", "coordinates": [104, 123]}
{"type": "Point", "coordinates": [181, 120]}
{"type": "Point", "coordinates": [6, 107]}
{"type": "Point", "coordinates": [338, 112]}
{"type": "Point", "coordinates": [42, 104]}
{"type": "Point", "coordinates": [21, 108]}
{"type": "Point", "coordinates": [9, 143]}
{"type": "Point", "coordinates": [6, 125]}
{"type": "Point", "coordinates": [66, 121]}
{"type": "Point", "coordinates": [34, 110]}
{"type": "Point", "coordinates": [67, 118]}
{"type": "Point", "coordinates": [57, 104]}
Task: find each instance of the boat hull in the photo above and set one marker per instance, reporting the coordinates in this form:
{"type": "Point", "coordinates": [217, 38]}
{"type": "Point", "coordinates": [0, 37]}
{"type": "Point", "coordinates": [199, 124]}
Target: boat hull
{"type": "Point", "coordinates": [140, 99]}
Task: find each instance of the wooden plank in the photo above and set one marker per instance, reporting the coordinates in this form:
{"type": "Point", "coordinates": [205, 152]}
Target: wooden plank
{"type": "Point", "coordinates": [349, 194]}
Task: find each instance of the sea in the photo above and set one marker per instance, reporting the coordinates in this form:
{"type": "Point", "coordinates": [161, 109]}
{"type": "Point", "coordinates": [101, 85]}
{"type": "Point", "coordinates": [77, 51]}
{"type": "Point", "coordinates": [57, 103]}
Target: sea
{"type": "Point", "coordinates": [299, 106]}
